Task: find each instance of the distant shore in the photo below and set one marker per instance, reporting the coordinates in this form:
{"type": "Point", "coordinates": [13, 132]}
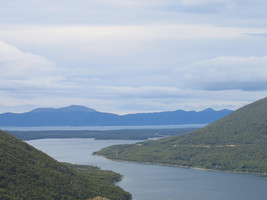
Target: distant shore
{"type": "Point", "coordinates": [183, 166]}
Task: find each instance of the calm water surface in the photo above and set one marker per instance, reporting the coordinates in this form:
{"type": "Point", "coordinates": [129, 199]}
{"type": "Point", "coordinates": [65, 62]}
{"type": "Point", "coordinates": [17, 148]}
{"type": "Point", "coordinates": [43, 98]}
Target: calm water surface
{"type": "Point", "coordinates": [151, 182]}
{"type": "Point", "coordinates": [101, 128]}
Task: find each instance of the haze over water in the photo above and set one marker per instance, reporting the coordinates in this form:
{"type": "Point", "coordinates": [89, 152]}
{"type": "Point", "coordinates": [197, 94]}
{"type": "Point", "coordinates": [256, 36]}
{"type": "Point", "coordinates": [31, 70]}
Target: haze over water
{"type": "Point", "coordinates": [151, 182]}
{"type": "Point", "coordinates": [41, 128]}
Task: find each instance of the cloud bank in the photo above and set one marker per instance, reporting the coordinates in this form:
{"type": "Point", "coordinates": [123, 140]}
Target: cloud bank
{"type": "Point", "coordinates": [226, 73]}
{"type": "Point", "coordinates": [20, 69]}
{"type": "Point", "coordinates": [131, 55]}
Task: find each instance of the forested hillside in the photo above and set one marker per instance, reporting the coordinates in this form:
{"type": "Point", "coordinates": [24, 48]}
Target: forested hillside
{"type": "Point", "coordinates": [27, 173]}
{"type": "Point", "coordinates": [237, 142]}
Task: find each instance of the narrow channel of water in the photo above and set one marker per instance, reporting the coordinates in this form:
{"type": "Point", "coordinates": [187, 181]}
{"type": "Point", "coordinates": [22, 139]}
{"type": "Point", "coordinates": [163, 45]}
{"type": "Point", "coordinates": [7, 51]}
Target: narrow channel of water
{"type": "Point", "coordinates": [151, 182]}
{"type": "Point", "coordinates": [100, 128]}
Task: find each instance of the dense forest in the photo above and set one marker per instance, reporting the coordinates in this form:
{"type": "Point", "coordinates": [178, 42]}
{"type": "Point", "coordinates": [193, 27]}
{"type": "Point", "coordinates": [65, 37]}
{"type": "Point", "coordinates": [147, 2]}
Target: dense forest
{"type": "Point", "coordinates": [124, 134]}
{"type": "Point", "coordinates": [237, 142]}
{"type": "Point", "coordinates": [27, 173]}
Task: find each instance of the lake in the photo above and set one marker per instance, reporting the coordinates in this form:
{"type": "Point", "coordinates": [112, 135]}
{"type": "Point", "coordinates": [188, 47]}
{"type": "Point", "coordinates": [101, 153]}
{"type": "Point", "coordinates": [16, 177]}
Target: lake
{"type": "Point", "coordinates": [152, 182]}
{"type": "Point", "coordinates": [99, 128]}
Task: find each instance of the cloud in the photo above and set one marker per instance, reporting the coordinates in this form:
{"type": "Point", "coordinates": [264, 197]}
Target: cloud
{"type": "Point", "coordinates": [28, 81]}
{"type": "Point", "coordinates": [225, 73]}
{"type": "Point", "coordinates": [131, 100]}
{"type": "Point", "coordinates": [197, 2]}
{"type": "Point", "coordinates": [87, 44]}
{"type": "Point", "coordinates": [120, 55]}
{"type": "Point", "coordinates": [140, 92]}
{"type": "Point", "coordinates": [62, 34]}
{"type": "Point", "coordinates": [19, 69]}
{"type": "Point", "coordinates": [125, 12]}
{"type": "Point", "coordinates": [256, 34]}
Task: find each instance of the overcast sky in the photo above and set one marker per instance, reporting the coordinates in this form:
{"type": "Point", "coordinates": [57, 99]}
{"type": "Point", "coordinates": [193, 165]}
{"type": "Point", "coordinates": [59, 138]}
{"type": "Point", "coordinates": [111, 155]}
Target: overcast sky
{"type": "Point", "coordinates": [127, 56]}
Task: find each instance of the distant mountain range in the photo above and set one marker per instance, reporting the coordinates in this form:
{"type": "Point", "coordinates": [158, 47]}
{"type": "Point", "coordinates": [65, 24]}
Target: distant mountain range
{"type": "Point", "coordinates": [82, 116]}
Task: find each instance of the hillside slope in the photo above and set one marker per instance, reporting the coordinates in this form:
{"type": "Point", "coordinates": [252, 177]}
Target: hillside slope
{"type": "Point", "coordinates": [237, 142]}
{"type": "Point", "coordinates": [26, 173]}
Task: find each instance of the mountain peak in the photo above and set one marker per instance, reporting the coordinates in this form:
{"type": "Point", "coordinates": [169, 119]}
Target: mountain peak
{"type": "Point", "coordinates": [72, 108]}
{"type": "Point", "coordinates": [76, 108]}
{"type": "Point", "coordinates": [208, 110]}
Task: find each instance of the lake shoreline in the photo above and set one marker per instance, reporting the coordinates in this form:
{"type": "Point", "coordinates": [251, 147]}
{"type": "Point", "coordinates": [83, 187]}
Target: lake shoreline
{"type": "Point", "coordinates": [183, 166]}
{"type": "Point", "coordinates": [155, 182]}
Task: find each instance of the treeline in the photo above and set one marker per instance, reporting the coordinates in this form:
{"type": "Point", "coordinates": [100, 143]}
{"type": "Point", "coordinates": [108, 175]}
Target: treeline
{"type": "Point", "coordinates": [247, 158]}
{"type": "Point", "coordinates": [126, 134]}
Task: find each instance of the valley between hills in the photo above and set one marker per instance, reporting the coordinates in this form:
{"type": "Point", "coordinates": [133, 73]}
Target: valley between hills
{"type": "Point", "coordinates": [235, 143]}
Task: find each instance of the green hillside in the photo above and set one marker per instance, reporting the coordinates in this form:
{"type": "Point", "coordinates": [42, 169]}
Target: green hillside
{"type": "Point", "coordinates": [27, 173]}
{"type": "Point", "coordinates": [237, 142]}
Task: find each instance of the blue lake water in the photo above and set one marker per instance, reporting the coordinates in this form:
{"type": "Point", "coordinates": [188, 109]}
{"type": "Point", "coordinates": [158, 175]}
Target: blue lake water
{"type": "Point", "coordinates": [40, 128]}
{"type": "Point", "coordinates": [152, 182]}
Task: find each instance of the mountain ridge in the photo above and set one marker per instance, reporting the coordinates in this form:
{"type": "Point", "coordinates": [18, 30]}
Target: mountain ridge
{"type": "Point", "coordinates": [82, 116]}
{"type": "Point", "coordinates": [71, 108]}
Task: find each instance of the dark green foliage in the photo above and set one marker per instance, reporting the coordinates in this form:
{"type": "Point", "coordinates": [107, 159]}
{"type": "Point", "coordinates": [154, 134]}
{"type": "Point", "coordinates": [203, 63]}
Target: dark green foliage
{"type": "Point", "coordinates": [238, 142]}
{"type": "Point", "coordinates": [127, 134]}
{"type": "Point", "coordinates": [26, 173]}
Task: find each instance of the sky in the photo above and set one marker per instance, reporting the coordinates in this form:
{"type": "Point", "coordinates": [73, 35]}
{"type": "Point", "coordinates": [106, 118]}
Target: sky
{"type": "Point", "coordinates": [128, 56]}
